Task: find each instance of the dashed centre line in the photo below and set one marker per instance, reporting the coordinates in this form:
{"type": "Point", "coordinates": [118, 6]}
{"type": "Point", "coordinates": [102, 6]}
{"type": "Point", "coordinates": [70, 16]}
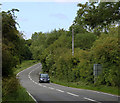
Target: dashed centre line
{"type": "Point", "coordinates": [72, 94]}
{"type": "Point", "coordinates": [59, 90]}
{"type": "Point", "coordinates": [45, 86]}
{"type": "Point", "coordinates": [91, 100]}
{"type": "Point", "coordinates": [51, 88]}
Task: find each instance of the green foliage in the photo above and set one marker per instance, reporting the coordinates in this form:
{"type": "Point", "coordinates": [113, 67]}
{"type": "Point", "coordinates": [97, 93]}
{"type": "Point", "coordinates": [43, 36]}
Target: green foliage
{"type": "Point", "coordinates": [106, 52]}
{"type": "Point", "coordinates": [54, 49]}
{"type": "Point", "coordinates": [84, 85]}
{"type": "Point", "coordinates": [42, 41]}
{"type": "Point", "coordinates": [10, 85]}
{"type": "Point", "coordinates": [57, 59]}
{"type": "Point", "coordinates": [8, 62]}
{"type": "Point", "coordinates": [85, 40]}
{"type": "Point", "coordinates": [9, 32]}
{"type": "Point", "coordinates": [25, 64]}
{"type": "Point", "coordinates": [77, 29]}
{"type": "Point", "coordinates": [14, 49]}
{"type": "Point", "coordinates": [99, 17]}
{"type": "Point", "coordinates": [13, 92]}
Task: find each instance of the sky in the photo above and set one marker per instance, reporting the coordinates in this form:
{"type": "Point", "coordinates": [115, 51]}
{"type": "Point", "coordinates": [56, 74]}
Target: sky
{"type": "Point", "coordinates": [43, 16]}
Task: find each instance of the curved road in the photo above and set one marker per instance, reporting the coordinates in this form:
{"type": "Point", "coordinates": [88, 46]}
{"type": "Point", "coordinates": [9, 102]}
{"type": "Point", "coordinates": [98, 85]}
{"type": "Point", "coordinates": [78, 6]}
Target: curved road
{"type": "Point", "coordinates": [46, 92]}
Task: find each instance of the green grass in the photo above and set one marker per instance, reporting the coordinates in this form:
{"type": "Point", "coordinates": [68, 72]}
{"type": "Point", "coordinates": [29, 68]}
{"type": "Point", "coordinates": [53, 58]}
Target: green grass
{"type": "Point", "coordinates": [25, 64]}
{"type": "Point", "coordinates": [12, 90]}
{"type": "Point", "coordinates": [19, 96]}
{"type": "Point", "coordinates": [83, 85]}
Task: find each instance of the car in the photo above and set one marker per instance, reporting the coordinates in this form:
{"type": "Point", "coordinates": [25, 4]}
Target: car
{"type": "Point", "coordinates": [44, 78]}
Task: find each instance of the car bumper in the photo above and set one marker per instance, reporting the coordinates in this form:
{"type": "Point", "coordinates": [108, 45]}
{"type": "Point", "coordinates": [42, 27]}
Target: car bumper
{"type": "Point", "coordinates": [44, 81]}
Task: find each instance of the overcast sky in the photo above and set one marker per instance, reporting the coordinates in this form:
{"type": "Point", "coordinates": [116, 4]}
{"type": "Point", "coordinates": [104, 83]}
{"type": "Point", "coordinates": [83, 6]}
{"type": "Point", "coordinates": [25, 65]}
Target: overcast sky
{"type": "Point", "coordinates": [43, 16]}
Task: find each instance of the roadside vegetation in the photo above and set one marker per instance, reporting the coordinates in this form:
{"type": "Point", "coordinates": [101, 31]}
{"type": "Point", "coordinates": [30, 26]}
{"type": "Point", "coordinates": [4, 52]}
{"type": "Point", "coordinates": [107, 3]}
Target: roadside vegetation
{"type": "Point", "coordinates": [86, 85]}
{"type": "Point", "coordinates": [96, 42]}
{"type": "Point", "coordinates": [14, 92]}
{"type": "Point", "coordinates": [25, 64]}
{"type": "Point", "coordinates": [15, 56]}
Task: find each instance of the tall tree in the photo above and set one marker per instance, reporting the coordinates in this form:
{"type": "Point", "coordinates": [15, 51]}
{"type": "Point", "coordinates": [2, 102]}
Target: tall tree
{"type": "Point", "coordinates": [14, 49]}
{"type": "Point", "coordinates": [9, 39]}
{"type": "Point", "coordinates": [97, 17]}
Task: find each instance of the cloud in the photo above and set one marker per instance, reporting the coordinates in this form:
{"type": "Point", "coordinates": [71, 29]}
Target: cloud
{"type": "Point", "coordinates": [59, 16]}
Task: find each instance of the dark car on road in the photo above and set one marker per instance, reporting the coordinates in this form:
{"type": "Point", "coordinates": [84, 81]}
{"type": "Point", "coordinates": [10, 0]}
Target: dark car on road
{"type": "Point", "coordinates": [44, 78]}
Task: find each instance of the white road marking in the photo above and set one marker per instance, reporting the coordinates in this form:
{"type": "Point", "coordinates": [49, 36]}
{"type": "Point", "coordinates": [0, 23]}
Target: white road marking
{"type": "Point", "coordinates": [40, 85]}
{"type": "Point", "coordinates": [91, 100]}
{"type": "Point", "coordinates": [51, 88]}
{"type": "Point", "coordinates": [72, 94]}
{"type": "Point", "coordinates": [59, 90]}
{"type": "Point", "coordinates": [110, 94]}
{"type": "Point", "coordinates": [102, 93]}
{"type": "Point", "coordinates": [44, 86]}
{"type": "Point", "coordinates": [32, 97]}
{"type": "Point", "coordinates": [25, 70]}
{"type": "Point", "coordinates": [31, 78]}
{"type": "Point", "coordinates": [35, 83]}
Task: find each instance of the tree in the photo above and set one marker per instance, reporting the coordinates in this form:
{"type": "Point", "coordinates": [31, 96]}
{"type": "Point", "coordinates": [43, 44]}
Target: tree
{"type": "Point", "coordinates": [14, 49]}
{"type": "Point", "coordinates": [97, 17]}
{"type": "Point", "coordinates": [9, 39]}
{"type": "Point", "coordinates": [77, 29]}
{"type": "Point", "coordinates": [105, 51]}
{"type": "Point", "coordinates": [85, 40]}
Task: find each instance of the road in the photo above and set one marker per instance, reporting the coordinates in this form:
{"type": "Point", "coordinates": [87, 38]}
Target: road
{"type": "Point", "coordinates": [53, 93]}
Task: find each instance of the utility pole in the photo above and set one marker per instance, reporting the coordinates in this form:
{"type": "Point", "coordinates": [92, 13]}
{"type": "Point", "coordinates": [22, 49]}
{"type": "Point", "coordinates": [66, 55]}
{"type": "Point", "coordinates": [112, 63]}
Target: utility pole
{"type": "Point", "coordinates": [72, 42]}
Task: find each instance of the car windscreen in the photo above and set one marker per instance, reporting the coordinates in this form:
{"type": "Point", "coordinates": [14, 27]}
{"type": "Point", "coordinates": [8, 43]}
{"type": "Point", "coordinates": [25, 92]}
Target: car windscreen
{"type": "Point", "coordinates": [44, 76]}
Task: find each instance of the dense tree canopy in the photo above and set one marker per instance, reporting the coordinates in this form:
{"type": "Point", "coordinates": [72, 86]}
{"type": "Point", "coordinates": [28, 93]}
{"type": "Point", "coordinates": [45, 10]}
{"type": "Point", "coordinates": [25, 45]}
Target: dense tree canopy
{"type": "Point", "coordinates": [54, 49]}
{"type": "Point", "coordinates": [97, 17]}
{"type": "Point", "coordinates": [14, 49]}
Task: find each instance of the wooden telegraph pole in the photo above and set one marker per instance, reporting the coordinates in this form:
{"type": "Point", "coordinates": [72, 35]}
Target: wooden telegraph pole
{"type": "Point", "coordinates": [72, 42]}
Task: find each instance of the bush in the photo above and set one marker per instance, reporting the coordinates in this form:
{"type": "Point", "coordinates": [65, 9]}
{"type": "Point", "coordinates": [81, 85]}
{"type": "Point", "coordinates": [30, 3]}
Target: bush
{"type": "Point", "coordinates": [58, 61]}
{"type": "Point", "coordinates": [84, 40]}
{"type": "Point", "coordinates": [10, 85]}
{"type": "Point", "coordinates": [106, 52]}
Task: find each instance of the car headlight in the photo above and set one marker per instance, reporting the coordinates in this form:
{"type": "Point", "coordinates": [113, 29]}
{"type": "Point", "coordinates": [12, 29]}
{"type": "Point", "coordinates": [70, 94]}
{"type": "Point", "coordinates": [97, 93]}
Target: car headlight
{"type": "Point", "coordinates": [41, 79]}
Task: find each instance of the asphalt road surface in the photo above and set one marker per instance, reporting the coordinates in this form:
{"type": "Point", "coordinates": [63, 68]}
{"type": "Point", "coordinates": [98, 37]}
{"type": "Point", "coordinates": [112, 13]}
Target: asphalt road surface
{"type": "Point", "coordinates": [53, 93]}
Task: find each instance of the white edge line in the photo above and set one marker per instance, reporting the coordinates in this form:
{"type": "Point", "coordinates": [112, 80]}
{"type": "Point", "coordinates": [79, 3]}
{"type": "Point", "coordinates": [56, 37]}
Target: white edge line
{"type": "Point", "coordinates": [32, 97]}
{"type": "Point", "coordinates": [25, 69]}
{"type": "Point", "coordinates": [75, 88]}
{"type": "Point", "coordinates": [102, 93]}
{"type": "Point", "coordinates": [92, 91]}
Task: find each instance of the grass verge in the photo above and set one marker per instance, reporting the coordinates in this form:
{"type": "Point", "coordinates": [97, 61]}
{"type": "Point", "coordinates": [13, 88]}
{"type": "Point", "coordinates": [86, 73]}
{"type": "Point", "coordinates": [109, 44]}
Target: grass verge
{"type": "Point", "coordinates": [83, 85]}
{"type": "Point", "coordinates": [25, 64]}
{"type": "Point", "coordinates": [18, 96]}
{"type": "Point", "coordinates": [12, 90]}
